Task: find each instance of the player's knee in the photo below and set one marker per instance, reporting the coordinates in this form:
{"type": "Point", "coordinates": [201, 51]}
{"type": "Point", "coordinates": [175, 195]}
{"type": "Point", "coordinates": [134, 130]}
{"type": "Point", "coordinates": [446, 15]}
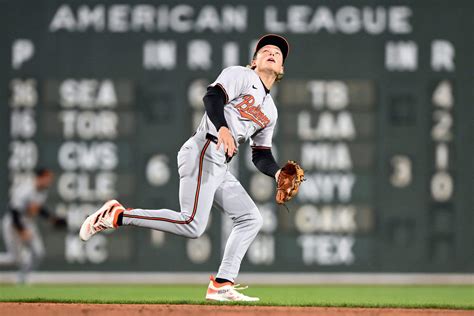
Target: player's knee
{"type": "Point", "coordinates": [195, 230]}
{"type": "Point", "coordinates": [195, 234]}
{"type": "Point", "coordinates": [257, 221]}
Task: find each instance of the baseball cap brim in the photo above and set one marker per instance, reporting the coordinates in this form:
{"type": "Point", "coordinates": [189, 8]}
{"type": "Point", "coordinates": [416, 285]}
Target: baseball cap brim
{"type": "Point", "coordinates": [273, 39]}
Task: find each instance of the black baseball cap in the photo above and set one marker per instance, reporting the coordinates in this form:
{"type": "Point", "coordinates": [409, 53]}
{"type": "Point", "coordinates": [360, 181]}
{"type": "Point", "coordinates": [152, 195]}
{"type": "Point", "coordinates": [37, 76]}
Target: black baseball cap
{"type": "Point", "coordinates": [274, 39]}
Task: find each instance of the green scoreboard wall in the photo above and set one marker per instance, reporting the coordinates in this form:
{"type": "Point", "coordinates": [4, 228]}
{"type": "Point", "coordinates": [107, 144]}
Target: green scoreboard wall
{"type": "Point", "coordinates": [376, 104]}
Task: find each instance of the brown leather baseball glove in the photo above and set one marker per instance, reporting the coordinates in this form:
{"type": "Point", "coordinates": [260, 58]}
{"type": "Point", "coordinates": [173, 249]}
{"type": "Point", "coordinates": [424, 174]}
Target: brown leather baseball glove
{"type": "Point", "coordinates": [289, 180]}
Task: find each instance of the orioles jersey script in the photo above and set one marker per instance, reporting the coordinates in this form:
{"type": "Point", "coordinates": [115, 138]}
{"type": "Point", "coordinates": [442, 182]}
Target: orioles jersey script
{"type": "Point", "coordinates": [249, 111]}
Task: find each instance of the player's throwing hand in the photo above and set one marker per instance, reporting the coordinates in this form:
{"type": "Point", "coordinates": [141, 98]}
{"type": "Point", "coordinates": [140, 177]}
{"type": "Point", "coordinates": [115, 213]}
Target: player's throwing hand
{"type": "Point", "coordinates": [25, 235]}
{"type": "Point", "coordinates": [225, 138]}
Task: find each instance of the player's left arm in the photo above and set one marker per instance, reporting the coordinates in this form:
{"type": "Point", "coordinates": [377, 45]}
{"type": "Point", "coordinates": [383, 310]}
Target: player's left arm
{"type": "Point", "coordinates": [262, 156]}
{"type": "Point", "coordinates": [263, 159]}
{"type": "Point", "coordinates": [38, 209]}
{"type": "Point", "coordinates": [33, 208]}
{"type": "Point", "coordinates": [288, 178]}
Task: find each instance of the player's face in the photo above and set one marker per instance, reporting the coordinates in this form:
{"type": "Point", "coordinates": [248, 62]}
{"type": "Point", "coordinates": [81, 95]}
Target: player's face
{"type": "Point", "coordinates": [269, 57]}
{"type": "Point", "coordinates": [45, 180]}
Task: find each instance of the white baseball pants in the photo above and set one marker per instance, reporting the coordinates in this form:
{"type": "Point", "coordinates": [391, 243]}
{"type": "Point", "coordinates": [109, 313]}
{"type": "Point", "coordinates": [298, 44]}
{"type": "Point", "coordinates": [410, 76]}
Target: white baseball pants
{"type": "Point", "coordinates": [205, 180]}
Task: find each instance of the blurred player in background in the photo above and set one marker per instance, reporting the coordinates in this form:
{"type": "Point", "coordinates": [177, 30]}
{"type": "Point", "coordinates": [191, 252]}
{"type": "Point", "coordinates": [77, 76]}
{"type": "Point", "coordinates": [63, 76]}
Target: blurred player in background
{"type": "Point", "coordinates": [22, 239]}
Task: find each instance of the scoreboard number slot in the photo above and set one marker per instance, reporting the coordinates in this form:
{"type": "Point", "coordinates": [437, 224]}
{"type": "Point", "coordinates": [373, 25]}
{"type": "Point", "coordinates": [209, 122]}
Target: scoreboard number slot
{"type": "Point", "coordinates": [401, 171]}
{"type": "Point", "coordinates": [442, 184]}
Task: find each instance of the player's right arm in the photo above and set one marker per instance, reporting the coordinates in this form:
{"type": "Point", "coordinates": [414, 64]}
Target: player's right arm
{"type": "Point", "coordinates": [214, 102]}
{"type": "Point", "coordinates": [229, 85]}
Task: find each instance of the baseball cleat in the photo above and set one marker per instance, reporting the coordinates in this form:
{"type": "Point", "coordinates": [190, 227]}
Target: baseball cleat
{"type": "Point", "coordinates": [104, 218]}
{"type": "Point", "coordinates": [227, 292]}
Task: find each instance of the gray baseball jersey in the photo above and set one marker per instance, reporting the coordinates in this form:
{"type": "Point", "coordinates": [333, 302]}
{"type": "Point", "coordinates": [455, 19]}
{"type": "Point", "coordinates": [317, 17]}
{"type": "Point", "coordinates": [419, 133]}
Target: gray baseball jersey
{"type": "Point", "coordinates": [249, 111]}
{"type": "Point", "coordinates": [205, 179]}
{"type": "Point", "coordinates": [25, 194]}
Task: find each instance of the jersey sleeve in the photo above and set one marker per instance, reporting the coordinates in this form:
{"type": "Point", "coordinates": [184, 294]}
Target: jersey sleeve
{"type": "Point", "coordinates": [263, 138]}
{"type": "Point", "coordinates": [21, 197]}
{"type": "Point", "coordinates": [233, 81]}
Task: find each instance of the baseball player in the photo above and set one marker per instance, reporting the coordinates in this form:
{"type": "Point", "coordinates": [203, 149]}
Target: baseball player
{"type": "Point", "coordinates": [21, 235]}
{"type": "Point", "coordinates": [239, 107]}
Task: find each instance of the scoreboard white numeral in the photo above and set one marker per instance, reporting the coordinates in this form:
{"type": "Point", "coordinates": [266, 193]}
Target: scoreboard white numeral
{"type": "Point", "coordinates": [23, 150]}
{"type": "Point", "coordinates": [443, 95]}
{"type": "Point", "coordinates": [443, 121]}
{"type": "Point", "coordinates": [23, 124]}
{"type": "Point", "coordinates": [442, 184]}
{"type": "Point", "coordinates": [24, 93]}
{"type": "Point", "coordinates": [442, 156]}
{"type": "Point", "coordinates": [24, 155]}
{"type": "Point", "coordinates": [402, 171]}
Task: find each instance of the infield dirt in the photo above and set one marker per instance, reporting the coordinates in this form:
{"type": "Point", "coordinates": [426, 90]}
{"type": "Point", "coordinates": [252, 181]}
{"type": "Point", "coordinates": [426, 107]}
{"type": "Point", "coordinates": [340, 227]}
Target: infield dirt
{"type": "Point", "coordinates": [53, 309]}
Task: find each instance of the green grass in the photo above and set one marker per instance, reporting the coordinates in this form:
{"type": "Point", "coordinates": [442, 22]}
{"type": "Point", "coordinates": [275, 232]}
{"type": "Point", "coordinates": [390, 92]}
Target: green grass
{"type": "Point", "coordinates": [440, 296]}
